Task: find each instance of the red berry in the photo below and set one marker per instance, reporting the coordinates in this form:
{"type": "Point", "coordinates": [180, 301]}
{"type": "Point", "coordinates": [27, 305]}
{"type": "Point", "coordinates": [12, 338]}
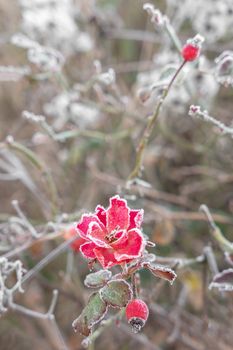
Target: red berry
{"type": "Point", "coordinates": [190, 52]}
{"type": "Point", "coordinates": [137, 313]}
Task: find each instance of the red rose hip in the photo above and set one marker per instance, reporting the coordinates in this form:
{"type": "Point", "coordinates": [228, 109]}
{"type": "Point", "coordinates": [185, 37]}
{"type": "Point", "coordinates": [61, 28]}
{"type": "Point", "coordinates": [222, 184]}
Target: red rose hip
{"type": "Point", "coordinates": [137, 313]}
{"type": "Point", "coordinates": [191, 50]}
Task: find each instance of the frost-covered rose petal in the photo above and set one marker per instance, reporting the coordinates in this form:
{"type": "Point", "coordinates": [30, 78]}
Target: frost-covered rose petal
{"type": "Point", "coordinates": [117, 214]}
{"type": "Point", "coordinates": [97, 234]}
{"type": "Point", "coordinates": [84, 223]}
{"type": "Point", "coordinates": [135, 218]}
{"type": "Point", "coordinates": [87, 249]}
{"type": "Point", "coordinates": [105, 257]}
{"type": "Point", "coordinates": [101, 214]}
{"type": "Point", "coordinates": [133, 246]}
{"type": "Point", "coordinates": [121, 240]}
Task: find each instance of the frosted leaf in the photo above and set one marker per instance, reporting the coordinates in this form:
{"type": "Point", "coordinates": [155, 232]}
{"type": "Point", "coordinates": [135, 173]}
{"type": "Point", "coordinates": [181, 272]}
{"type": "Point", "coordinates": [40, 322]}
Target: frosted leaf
{"type": "Point", "coordinates": [66, 106]}
{"type": "Point", "coordinates": [23, 41]}
{"type": "Point", "coordinates": [161, 271]}
{"type": "Point", "coordinates": [156, 16]}
{"type": "Point", "coordinates": [223, 281]}
{"type": "Point", "coordinates": [97, 279]}
{"type": "Point", "coordinates": [116, 293]}
{"type": "Point", "coordinates": [93, 312]}
{"type": "Point", "coordinates": [224, 68]}
{"type": "Point", "coordinates": [46, 58]}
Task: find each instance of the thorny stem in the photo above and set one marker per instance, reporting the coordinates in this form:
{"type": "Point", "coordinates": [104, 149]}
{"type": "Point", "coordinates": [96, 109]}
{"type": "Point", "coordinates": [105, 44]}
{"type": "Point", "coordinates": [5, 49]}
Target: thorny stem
{"type": "Point", "coordinates": [224, 244]}
{"type": "Point", "coordinates": [149, 128]}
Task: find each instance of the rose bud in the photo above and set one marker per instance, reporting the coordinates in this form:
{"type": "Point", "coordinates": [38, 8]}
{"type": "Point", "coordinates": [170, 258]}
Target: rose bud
{"type": "Point", "coordinates": [137, 313]}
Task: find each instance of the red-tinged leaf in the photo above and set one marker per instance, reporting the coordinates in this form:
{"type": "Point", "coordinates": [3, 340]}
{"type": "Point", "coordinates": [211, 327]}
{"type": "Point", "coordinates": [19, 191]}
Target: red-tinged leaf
{"type": "Point", "coordinates": [223, 280]}
{"type": "Point", "coordinates": [116, 293]}
{"type": "Point", "coordinates": [162, 272]}
{"type": "Point", "coordinates": [93, 312]}
{"type": "Point", "coordinates": [97, 279]}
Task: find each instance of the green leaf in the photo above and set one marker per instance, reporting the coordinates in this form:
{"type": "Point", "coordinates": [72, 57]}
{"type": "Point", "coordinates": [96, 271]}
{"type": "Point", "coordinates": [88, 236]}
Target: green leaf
{"type": "Point", "coordinates": [116, 293]}
{"type": "Point", "coordinates": [97, 279]}
{"type": "Point", "coordinates": [93, 312]}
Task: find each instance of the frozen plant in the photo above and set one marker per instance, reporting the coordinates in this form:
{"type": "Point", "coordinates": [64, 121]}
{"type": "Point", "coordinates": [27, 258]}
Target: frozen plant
{"type": "Point", "coordinates": [7, 269]}
{"type": "Point", "coordinates": [45, 58]}
{"type": "Point", "coordinates": [196, 111]}
{"type": "Point", "coordinates": [114, 237]}
{"type": "Point", "coordinates": [224, 68]}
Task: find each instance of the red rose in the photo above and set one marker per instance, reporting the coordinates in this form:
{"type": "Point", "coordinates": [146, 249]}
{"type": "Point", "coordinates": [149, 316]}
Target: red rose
{"type": "Point", "coordinates": [112, 235]}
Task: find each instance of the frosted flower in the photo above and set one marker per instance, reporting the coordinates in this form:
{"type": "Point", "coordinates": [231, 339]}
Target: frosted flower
{"type": "Point", "coordinates": [112, 235]}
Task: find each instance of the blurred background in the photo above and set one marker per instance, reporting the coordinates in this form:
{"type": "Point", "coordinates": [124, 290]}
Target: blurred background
{"type": "Point", "coordinates": [78, 81]}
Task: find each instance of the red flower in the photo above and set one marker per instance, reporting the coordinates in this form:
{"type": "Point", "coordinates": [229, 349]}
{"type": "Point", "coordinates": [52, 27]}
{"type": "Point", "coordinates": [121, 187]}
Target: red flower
{"type": "Point", "coordinates": [112, 235]}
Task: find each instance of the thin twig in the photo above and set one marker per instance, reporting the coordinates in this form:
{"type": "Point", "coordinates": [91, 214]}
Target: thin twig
{"type": "Point", "coordinates": [149, 128]}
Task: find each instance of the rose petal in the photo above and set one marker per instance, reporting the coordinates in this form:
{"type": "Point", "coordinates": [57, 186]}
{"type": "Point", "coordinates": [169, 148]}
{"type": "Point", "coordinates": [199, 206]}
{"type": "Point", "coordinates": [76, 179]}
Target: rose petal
{"type": "Point", "coordinates": [105, 257]}
{"type": "Point", "coordinates": [83, 224]}
{"type": "Point", "coordinates": [87, 249]}
{"type": "Point", "coordinates": [117, 214]}
{"type": "Point", "coordinates": [100, 212]}
{"type": "Point", "coordinates": [121, 240]}
{"type": "Point", "coordinates": [135, 218]}
{"type": "Point", "coordinates": [97, 233]}
{"type": "Point", "coordinates": [133, 247]}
